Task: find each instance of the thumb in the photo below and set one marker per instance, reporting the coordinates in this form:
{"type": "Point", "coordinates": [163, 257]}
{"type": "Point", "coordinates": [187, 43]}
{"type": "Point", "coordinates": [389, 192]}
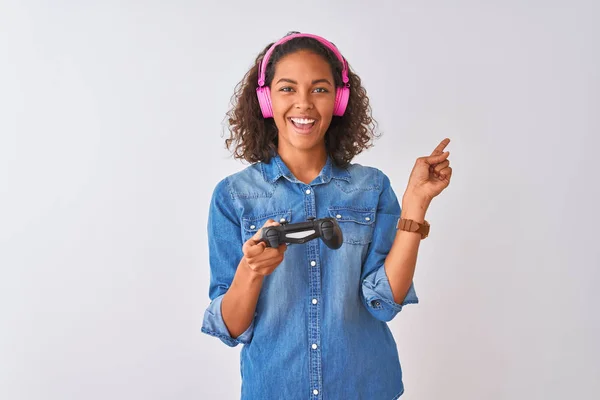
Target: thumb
{"type": "Point", "coordinates": [269, 222]}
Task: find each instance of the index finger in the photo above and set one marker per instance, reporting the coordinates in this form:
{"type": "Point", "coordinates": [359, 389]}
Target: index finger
{"type": "Point", "coordinates": [440, 147]}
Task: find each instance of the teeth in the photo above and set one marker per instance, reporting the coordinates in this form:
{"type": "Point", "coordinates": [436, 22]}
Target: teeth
{"type": "Point", "coordinates": [302, 120]}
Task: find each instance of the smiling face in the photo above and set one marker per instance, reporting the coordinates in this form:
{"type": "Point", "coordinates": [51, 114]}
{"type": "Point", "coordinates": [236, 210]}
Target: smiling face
{"type": "Point", "coordinates": [303, 98]}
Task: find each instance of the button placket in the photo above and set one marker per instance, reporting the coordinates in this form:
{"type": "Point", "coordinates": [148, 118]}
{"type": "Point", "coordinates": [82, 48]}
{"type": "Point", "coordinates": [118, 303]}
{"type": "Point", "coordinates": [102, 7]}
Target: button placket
{"type": "Point", "coordinates": [314, 318]}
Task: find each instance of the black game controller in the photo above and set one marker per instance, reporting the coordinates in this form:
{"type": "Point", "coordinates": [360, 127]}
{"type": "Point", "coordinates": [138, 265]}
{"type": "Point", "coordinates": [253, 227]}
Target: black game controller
{"type": "Point", "coordinates": [326, 228]}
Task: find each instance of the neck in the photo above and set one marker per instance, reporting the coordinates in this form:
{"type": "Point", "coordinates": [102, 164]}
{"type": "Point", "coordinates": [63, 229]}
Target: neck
{"type": "Point", "coordinates": [305, 165]}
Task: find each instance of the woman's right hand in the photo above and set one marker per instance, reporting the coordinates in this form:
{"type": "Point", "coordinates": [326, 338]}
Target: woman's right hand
{"type": "Point", "coordinates": [262, 260]}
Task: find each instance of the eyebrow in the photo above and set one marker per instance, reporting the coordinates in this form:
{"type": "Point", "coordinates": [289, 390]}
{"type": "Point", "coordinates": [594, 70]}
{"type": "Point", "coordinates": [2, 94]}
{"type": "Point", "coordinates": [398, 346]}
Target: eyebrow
{"type": "Point", "coordinates": [323, 80]}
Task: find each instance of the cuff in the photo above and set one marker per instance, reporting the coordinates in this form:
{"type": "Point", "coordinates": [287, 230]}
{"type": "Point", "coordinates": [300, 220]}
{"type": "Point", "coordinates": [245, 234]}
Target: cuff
{"type": "Point", "coordinates": [379, 298]}
{"type": "Point", "coordinates": [214, 325]}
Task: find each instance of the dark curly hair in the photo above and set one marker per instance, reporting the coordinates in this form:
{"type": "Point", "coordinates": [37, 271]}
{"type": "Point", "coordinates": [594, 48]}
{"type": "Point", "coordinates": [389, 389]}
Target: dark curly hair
{"type": "Point", "coordinates": [254, 137]}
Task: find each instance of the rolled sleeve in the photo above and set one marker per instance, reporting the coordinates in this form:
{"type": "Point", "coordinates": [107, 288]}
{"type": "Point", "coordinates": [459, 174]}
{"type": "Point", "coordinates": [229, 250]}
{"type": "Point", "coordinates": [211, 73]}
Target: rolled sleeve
{"type": "Point", "coordinates": [214, 325]}
{"type": "Point", "coordinates": [379, 298]}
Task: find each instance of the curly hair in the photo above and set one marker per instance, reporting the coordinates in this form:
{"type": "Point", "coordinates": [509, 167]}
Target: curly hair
{"type": "Point", "coordinates": [254, 138]}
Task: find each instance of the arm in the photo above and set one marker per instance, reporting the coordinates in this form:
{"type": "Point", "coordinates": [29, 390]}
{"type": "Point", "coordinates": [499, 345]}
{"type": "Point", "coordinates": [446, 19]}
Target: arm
{"type": "Point", "coordinates": [239, 303]}
{"type": "Point", "coordinates": [225, 252]}
{"type": "Point", "coordinates": [236, 272]}
{"type": "Point", "coordinates": [429, 177]}
{"type": "Point", "coordinates": [387, 283]}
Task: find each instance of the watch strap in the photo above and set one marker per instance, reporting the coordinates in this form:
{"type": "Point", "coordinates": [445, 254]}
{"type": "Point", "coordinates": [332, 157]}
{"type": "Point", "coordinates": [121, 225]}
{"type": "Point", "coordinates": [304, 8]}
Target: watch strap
{"type": "Point", "coordinates": [410, 225]}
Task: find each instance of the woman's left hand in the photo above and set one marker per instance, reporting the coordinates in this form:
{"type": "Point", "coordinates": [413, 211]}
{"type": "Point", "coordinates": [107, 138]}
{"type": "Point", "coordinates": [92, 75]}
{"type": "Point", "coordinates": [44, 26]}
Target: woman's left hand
{"type": "Point", "coordinates": [430, 175]}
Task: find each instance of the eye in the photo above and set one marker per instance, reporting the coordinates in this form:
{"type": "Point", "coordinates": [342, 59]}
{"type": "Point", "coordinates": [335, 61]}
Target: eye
{"type": "Point", "coordinates": [321, 90]}
{"type": "Point", "coordinates": [285, 89]}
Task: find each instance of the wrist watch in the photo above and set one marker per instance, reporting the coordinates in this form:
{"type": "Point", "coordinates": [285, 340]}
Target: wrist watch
{"type": "Point", "coordinates": [413, 226]}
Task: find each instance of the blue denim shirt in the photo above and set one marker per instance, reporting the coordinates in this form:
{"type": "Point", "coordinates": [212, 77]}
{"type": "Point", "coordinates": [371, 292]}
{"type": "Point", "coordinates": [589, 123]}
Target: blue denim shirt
{"type": "Point", "coordinates": [319, 330]}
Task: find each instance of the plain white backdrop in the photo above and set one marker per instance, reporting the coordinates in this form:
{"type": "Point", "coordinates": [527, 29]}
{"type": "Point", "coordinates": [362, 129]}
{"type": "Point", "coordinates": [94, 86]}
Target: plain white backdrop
{"type": "Point", "coordinates": [111, 122]}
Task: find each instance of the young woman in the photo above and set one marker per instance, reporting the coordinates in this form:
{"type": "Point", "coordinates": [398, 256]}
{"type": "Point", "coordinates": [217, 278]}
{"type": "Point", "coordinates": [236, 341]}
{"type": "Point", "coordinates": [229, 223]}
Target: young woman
{"type": "Point", "coordinates": [312, 319]}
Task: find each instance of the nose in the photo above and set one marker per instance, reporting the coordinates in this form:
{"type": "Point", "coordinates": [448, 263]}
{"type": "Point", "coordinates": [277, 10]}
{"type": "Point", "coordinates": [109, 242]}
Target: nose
{"type": "Point", "coordinates": [304, 101]}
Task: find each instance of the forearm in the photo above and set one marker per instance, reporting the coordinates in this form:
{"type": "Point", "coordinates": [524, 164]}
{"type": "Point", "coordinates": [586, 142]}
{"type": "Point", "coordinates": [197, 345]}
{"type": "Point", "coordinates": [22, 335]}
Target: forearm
{"type": "Point", "coordinates": [402, 258]}
{"type": "Point", "coordinates": [239, 303]}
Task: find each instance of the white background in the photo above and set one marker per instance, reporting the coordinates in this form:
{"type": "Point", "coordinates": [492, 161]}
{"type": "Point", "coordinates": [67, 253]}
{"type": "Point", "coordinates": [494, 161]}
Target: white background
{"type": "Point", "coordinates": [111, 116]}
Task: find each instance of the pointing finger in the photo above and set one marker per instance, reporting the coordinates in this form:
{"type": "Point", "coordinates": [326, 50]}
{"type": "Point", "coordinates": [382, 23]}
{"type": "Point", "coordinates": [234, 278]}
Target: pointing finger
{"type": "Point", "coordinates": [440, 147]}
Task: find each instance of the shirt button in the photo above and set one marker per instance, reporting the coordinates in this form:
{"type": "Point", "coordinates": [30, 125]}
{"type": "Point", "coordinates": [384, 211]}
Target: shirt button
{"type": "Point", "coordinates": [282, 220]}
{"type": "Point", "coordinates": [252, 226]}
{"type": "Point", "coordinates": [313, 263]}
{"type": "Point", "coordinates": [307, 191]}
{"type": "Point", "coordinates": [315, 392]}
{"type": "Point", "coordinates": [314, 346]}
{"type": "Point", "coordinates": [338, 216]}
{"type": "Point", "coordinates": [315, 301]}
{"type": "Point", "coordinates": [367, 219]}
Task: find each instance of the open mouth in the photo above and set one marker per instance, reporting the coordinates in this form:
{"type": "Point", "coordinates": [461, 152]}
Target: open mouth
{"type": "Point", "coordinates": [303, 124]}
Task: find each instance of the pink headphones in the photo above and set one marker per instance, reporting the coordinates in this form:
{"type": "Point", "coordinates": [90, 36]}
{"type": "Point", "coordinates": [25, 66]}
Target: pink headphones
{"type": "Point", "coordinates": [342, 94]}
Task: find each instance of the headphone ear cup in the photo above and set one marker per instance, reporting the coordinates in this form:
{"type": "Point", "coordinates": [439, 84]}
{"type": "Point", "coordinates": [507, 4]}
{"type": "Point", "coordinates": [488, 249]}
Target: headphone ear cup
{"type": "Point", "coordinates": [264, 100]}
{"type": "Point", "coordinates": [342, 95]}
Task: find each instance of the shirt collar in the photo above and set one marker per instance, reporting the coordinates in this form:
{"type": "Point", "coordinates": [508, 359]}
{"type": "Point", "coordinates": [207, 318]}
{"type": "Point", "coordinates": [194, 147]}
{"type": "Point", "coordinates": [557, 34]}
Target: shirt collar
{"type": "Point", "coordinates": [276, 168]}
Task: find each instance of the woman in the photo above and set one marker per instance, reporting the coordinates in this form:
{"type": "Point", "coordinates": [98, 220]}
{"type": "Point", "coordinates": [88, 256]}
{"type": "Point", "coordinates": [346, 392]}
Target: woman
{"type": "Point", "coordinates": [313, 319]}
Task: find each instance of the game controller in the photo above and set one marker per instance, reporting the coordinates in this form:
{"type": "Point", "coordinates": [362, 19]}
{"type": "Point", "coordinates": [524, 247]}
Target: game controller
{"type": "Point", "coordinates": [301, 232]}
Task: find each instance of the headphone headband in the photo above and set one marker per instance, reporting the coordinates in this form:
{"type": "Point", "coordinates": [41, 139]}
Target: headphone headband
{"type": "Point", "coordinates": [265, 61]}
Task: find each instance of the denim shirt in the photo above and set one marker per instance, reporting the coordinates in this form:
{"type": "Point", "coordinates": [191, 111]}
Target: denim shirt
{"type": "Point", "coordinates": [320, 327]}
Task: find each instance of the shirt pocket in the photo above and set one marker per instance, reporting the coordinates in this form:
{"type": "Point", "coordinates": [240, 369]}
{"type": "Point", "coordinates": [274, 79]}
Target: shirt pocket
{"type": "Point", "coordinates": [252, 223]}
{"type": "Point", "coordinates": [356, 224]}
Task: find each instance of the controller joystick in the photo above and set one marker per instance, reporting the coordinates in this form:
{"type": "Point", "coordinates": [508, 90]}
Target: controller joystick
{"type": "Point", "coordinates": [327, 229]}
